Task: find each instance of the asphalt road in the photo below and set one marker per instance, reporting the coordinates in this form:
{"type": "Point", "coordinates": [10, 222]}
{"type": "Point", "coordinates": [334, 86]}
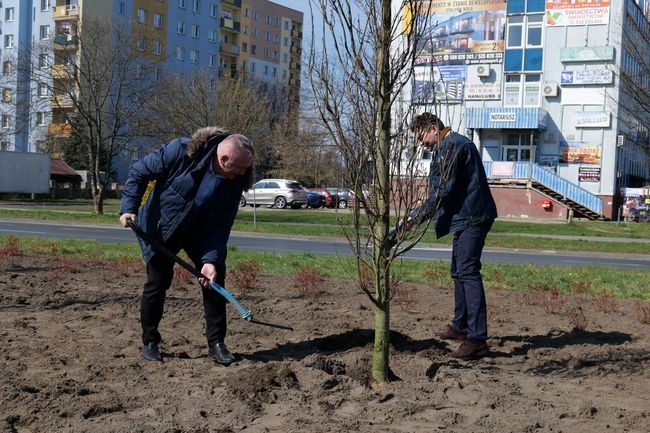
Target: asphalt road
{"type": "Point", "coordinates": [319, 246]}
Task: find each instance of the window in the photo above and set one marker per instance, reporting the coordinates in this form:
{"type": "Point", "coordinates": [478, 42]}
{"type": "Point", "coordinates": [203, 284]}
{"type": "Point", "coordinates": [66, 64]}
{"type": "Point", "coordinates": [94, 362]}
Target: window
{"type": "Point", "coordinates": [6, 121]}
{"type": "Point", "coordinates": [245, 12]}
{"type": "Point", "coordinates": [195, 31]}
{"type": "Point", "coordinates": [266, 69]}
{"type": "Point", "coordinates": [180, 53]}
{"type": "Point", "coordinates": [255, 15]}
{"type": "Point", "coordinates": [267, 36]}
{"type": "Point", "coordinates": [212, 35]}
{"type": "Point", "coordinates": [275, 71]}
{"type": "Point", "coordinates": [214, 10]}
{"type": "Point", "coordinates": [244, 47]}
{"type": "Point", "coordinates": [245, 30]}
{"type": "Point", "coordinates": [267, 19]}
{"type": "Point", "coordinates": [213, 61]}
{"type": "Point", "coordinates": [44, 32]}
{"type": "Point", "coordinates": [266, 52]}
{"type": "Point", "coordinates": [522, 90]}
{"type": "Point", "coordinates": [181, 4]}
{"type": "Point", "coordinates": [156, 74]}
{"type": "Point", "coordinates": [142, 44]}
{"type": "Point", "coordinates": [45, 5]}
{"type": "Point", "coordinates": [253, 49]}
{"type": "Point", "coordinates": [41, 119]}
{"type": "Point", "coordinates": [7, 67]}
{"type": "Point", "coordinates": [285, 58]}
{"type": "Point", "coordinates": [196, 6]}
{"type": "Point", "coordinates": [286, 25]}
{"type": "Point", "coordinates": [286, 42]}
{"type": "Point", "coordinates": [139, 71]}
{"type": "Point", "coordinates": [42, 60]}
{"type": "Point", "coordinates": [194, 56]}
{"type": "Point", "coordinates": [156, 48]}
{"type": "Point", "coordinates": [277, 21]}
{"type": "Point", "coordinates": [275, 55]}
{"type": "Point", "coordinates": [122, 8]}
{"type": "Point", "coordinates": [517, 146]}
{"type": "Point", "coordinates": [9, 14]}
{"type": "Point", "coordinates": [43, 91]}
{"type": "Point", "coordinates": [9, 41]}
{"type": "Point", "coordinates": [180, 27]}
{"type": "Point", "coordinates": [4, 145]}
{"type": "Point", "coordinates": [142, 16]}
{"type": "Point", "coordinates": [524, 31]}
{"type": "Point", "coordinates": [254, 33]}
{"type": "Point", "coordinates": [158, 21]}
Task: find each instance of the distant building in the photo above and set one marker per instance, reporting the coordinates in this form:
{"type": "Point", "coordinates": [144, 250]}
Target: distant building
{"type": "Point", "coordinates": [226, 38]}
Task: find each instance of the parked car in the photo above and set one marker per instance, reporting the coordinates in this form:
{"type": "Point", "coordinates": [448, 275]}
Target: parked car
{"type": "Point", "coordinates": [315, 198]}
{"type": "Point", "coordinates": [340, 197]}
{"type": "Point", "coordinates": [275, 192]}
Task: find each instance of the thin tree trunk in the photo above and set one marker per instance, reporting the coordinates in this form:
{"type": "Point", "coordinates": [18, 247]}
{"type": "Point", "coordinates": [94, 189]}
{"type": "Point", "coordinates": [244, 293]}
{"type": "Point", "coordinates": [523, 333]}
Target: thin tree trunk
{"type": "Point", "coordinates": [380, 366]}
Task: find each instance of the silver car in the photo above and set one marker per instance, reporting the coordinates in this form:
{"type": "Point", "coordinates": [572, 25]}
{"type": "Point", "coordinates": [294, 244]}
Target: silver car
{"type": "Point", "coordinates": [275, 192]}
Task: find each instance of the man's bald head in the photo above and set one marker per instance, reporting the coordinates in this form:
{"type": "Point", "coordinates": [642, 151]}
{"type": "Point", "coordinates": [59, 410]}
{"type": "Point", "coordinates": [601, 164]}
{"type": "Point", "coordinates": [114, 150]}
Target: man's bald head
{"type": "Point", "coordinates": [234, 156]}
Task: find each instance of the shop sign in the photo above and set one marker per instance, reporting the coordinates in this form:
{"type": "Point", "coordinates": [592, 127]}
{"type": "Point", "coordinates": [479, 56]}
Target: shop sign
{"type": "Point", "coordinates": [579, 151]}
{"type": "Point", "coordinates": [595, 76]}
{"type": "Point", "coordinates": [589, 174]}
{"type": "Point", "coordinates": [547, 160]}
{"type": "Point", "coordinates": [503, 117]}
{"type": "Point", "coordinates": [572, 13]}
{"type": "Point", "coordinates": [586, 54]}
{"type": "Point", "coordinates": [592, 119]}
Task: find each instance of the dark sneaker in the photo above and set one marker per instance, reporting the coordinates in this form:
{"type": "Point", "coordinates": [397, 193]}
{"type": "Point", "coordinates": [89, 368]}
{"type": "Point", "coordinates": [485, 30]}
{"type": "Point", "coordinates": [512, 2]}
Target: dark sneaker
{"type": "Point", "coordinates": [469, 350]}
{"type": "Point", "coordinates": [150, 351]}
{"type": "Point", "coordinates": [220, 353]}
{"type": "Point", "coordinates": [451, 334]}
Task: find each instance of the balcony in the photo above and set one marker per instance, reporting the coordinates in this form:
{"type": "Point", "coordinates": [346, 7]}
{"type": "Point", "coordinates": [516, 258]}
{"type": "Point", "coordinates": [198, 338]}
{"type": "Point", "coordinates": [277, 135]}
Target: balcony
{"type": "Point", "coordinates": [294, 65]}
{"type": "Point", "coordinates": [231, 72]}
{"type": "Point", "coordinates": [232, 3]}
{"type": "Point", "coordinates": [60, 129]}
{"type": "Point", "coordinates": [66, 11]}
{"type": "Point", "coordinates": [62, 101]}
{"type": "Point", "coordinates": [295, 50]}
{"type": "Point", "coordinates": [230, 24]}
{"type": "Point", "coordinates": [229, 49]}
{"type": "Point", "coordinates": [294, 82]}
{"type": "Point", "coordinates": [62, 72]}
{"type": "Point", "coordinates": [296, 34]}
{"type": "Point", "coordinates": [66, 42]}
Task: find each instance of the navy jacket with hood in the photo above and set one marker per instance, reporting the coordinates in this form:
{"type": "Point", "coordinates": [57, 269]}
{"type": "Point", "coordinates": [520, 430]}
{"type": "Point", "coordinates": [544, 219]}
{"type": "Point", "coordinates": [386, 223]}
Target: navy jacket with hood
{"type": "Point", "coordinates": [459, 194]}
{"type": "Point", "coordinates": [177, 169]}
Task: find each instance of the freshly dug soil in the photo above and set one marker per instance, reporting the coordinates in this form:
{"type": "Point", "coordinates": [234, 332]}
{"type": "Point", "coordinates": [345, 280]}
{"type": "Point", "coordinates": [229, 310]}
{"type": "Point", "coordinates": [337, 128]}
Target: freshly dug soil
{"type": "Point", "coordinates": [70, 360]}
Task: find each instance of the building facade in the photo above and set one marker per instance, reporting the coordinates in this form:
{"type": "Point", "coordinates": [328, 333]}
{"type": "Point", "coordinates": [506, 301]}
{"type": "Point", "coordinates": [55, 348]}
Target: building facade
{"type": "Point", "coordinates": [222, 38]}
{"type": "Point", "coordinates": [543, 88]}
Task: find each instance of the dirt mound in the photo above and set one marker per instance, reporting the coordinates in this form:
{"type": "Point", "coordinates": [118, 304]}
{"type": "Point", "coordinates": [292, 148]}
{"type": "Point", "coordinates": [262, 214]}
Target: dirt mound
{"type": "Point", "coordinates": [70, 361]}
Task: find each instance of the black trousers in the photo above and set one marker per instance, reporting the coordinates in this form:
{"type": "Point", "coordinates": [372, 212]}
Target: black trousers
{"type": "Point", "coordinates": [160, 272]}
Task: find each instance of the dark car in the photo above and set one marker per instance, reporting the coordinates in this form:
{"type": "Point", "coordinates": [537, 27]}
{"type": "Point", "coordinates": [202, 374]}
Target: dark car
{"type": "Point", "coordinates": [340, 197]}
{"type": "Point", "coordinates": [314, 198]}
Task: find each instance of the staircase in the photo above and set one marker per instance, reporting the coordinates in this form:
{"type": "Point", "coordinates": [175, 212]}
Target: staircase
{"type": "Point", "coordinates": [581, 201]}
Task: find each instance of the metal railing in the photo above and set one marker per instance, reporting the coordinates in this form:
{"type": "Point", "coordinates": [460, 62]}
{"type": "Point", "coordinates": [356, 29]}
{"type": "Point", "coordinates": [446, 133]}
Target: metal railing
{"type": "Point", "coordinates": [534, 172]}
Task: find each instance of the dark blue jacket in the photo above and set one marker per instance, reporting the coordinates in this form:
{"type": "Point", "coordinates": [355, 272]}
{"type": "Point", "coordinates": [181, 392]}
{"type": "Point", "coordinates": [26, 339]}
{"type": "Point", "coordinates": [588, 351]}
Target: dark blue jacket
{"type": "Point", "coordinates": [178, 176]}
{"type": "Point", "coordinates": [459, 194]}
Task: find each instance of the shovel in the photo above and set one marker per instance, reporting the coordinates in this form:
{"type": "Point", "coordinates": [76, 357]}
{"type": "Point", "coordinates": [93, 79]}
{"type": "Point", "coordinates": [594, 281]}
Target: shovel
{"type": "Point", "coordinates": [158, 247]}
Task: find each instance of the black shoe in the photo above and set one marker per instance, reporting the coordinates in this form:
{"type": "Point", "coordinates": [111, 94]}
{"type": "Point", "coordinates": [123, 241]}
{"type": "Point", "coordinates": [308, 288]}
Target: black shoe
{"type": "Point", "coordinates": [220, 353]}
{"type": "Point", "coordinates": [150, 351]}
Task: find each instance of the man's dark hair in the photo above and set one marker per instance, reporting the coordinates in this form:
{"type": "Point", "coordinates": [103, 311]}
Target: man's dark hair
{"type": "Point", "coordinates": [425, 121]}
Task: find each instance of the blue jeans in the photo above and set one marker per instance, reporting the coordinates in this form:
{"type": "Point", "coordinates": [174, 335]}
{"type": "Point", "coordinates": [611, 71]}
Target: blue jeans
{"type": "Point", "coordinates": [470, 310]}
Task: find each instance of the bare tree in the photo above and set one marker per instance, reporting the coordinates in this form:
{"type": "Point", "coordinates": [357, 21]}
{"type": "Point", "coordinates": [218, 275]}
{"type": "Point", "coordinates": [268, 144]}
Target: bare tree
{"type": "Point", "coordinates": [305, 153]}
{"type": "Point", "coordinates": [361, 80]}
{"type": "Point", "coordinates": [99, 82]}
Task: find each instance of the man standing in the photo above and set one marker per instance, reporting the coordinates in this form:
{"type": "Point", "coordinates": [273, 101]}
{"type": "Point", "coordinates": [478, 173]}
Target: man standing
{"type": "Point", "coordinates": [460, 202]}
{"type": "Point", "coordinates": [198, 184]}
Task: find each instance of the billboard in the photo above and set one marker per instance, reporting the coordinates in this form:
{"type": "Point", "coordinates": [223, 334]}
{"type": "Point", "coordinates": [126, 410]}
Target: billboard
{"type": "Point", "coordinates": [459, 36]}
{"type": "Point", "coordinates": [462, 32]}
{"type": "Point", "coordinates": [576, 12]}
{"type": "Point", "coordinates": [579, 151]}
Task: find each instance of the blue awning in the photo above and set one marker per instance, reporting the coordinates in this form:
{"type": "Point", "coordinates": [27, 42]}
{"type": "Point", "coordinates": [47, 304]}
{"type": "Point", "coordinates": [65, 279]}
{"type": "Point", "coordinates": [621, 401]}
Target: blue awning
{"type": "Point", "coordinates": [506, 118]}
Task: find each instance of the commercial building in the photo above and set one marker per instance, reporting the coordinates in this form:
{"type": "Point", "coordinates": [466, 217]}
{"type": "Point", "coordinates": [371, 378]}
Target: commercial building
{"type": "Point", "coordinates": [550, 91]}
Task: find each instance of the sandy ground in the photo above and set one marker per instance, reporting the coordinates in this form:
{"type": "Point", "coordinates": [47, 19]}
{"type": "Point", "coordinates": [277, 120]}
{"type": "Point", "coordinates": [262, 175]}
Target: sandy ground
{"type": "Point", "coordinates": [70, 360]}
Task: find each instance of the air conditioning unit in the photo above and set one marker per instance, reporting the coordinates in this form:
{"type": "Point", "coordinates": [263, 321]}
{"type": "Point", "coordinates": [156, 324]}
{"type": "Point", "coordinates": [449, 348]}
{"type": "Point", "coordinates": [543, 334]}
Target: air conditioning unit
{"type": "Point", "coordinates": [550, 88]}
{"type": "Point", "coordinates": [483, 70]}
